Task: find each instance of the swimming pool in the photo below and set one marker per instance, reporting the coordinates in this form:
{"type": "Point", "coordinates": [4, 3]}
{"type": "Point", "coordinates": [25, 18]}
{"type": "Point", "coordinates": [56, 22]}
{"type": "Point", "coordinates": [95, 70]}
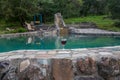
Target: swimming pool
{"type": "Point", "coordinates": [49, 43]}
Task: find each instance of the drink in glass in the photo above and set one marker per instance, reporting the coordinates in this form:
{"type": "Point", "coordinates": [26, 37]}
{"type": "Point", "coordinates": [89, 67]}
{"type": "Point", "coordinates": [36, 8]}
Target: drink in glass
{"type": "Point", "coordinates": [63, 42]}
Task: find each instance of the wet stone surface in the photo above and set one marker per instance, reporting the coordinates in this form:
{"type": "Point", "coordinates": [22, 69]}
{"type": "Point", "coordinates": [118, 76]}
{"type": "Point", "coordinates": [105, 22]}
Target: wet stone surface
{"type": "Point", "coordinates": [74, 64]}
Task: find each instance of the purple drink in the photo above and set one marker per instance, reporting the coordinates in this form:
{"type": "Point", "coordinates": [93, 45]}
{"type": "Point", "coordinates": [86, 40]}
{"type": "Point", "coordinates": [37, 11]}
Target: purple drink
{"type": "Point", "coordinates": [63, 42]}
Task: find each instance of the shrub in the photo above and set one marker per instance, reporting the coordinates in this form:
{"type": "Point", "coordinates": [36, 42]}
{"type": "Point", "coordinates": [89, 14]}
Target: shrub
{"type": "Point", "coordinates": [117, 24]}
{"type": "Point", "coordinates": [19, 30]}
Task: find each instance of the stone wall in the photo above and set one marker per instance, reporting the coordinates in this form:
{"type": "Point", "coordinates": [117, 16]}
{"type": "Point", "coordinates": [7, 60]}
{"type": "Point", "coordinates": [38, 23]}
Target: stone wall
{"type": "Point", "coordinates": [85, 64]}
{"type": "Point", "coordinates": [60, 69]}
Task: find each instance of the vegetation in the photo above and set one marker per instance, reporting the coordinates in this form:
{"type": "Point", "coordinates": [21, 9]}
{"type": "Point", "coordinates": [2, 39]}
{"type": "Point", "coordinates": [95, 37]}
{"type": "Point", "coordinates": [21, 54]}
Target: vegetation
{"type": "Point", "coordinates": [14, 13]}
{"type": "Point", "coordinates": [114, 8]}
{"type": "Point", "coordinates": [100, 21]}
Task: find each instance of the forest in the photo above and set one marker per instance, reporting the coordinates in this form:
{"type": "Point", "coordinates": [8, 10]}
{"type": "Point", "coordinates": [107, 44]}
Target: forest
{"type": "Point", "coordinates": [19, 11]}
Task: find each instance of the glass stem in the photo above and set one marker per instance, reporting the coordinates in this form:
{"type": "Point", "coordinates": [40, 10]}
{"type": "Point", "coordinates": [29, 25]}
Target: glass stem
{"type": "Point", "coordinates": [63, 47]}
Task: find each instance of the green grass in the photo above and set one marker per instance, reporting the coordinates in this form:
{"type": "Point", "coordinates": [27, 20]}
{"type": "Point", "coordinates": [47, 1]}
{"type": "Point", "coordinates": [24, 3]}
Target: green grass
{"type": "Point", "coordinates": [100, 21]}
{"type": "Point", "coordinates": [12, 25]}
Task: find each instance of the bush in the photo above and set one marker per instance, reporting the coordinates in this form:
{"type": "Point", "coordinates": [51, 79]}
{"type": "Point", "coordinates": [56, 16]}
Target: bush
{"type": "Point", "coordinates": [21, 30]}
{"type": "Point", "coordinates": [117, 24]}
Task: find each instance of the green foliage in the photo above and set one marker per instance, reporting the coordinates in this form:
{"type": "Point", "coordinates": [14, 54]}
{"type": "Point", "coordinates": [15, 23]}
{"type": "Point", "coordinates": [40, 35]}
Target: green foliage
{"type": "Point", "coordinates": [18, 30]}
{"type": "Point", "coordinates": [114, 8]}
{"type": "Point", "coordinates": [80, 1]}
{"type": "Point", "coordinates": [101, 23]}
{"type": "Point", "coordinates": [68, 8]}
{"type": "Point", "coordinates": [14, 26]}
{"type": "Point", "coordinates": [12, 11]}
{"type": "Point", "coordinates": [5, 24]}
{"type": "Point", "coordinates": [117, 23]}
{"type": "Point", "coordinates": [96, 19]}
{"type": "Point", "coordinates": [22, 10]}
{"type": "Point", "coordinates": [19, 10]}
{"type": "Point", "coordinates": [93, 7]}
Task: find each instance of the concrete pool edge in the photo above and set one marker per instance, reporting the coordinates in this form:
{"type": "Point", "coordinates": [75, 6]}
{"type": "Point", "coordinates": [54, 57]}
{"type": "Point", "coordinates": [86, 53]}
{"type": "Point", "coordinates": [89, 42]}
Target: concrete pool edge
{"type": "Point", "coordinates": [58, 52]}
{"type": "Point", "coordinates": [88, 31]}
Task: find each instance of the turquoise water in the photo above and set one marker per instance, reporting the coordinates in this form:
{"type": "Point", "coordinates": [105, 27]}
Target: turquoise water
{"type": "Point", "coordinates": [48, 43]}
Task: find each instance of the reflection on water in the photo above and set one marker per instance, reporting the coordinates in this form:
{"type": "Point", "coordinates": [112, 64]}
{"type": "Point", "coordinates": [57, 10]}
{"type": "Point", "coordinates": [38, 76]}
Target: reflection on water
{"type": "Point", "coordinates": [30, 40]}
{"type": "Point", "coordinates": [43, 43]}
{"type": "Point", "coordinates": [57, 42]}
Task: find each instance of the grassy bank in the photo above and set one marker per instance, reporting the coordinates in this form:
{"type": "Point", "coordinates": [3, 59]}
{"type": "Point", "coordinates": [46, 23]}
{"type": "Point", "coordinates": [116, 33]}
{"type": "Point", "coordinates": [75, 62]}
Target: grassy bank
{"type": "Point", "coordinates": [101, 21]}
{"type": "Point", "coordinates": [13, 26]}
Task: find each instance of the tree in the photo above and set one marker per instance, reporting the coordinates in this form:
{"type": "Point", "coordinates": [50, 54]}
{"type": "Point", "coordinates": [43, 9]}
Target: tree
{"type": "Point", "coordinates": [22, 10]}
{"type": "Point", "coordinates": [19, 10]}
{"type": "Point", "coordinates": [114, 8]}
{"type": "Point", "coordinates": [93, 7]}
{"type": "Point", "coordinates": [68, 8]}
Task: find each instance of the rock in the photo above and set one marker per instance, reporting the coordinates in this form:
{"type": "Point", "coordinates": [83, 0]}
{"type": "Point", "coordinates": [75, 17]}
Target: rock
{"type": "Point", "coordinates": [88, 78]}
{"type": "Point", "coordinates": [62, 69]}
{"type": "Point", "coordinates": [109, 68]}
{"type": "Point", "coordinates": [7, 71]}
{"type": "Point", "coordinates": [24, 64]}
{"type": "Point", "coordinates": [36, 73]}
{"type": "Point", "coordinates": [33, 72]}
{"type": "Point", "coordinates": [86, 66]}
{"type": "Point", "coordinates": [45, 66]}
{"type": "Point", "coordinates": [10, 74]}
{"type": "Point", "coordinates": [60, 25]}
{"type": "Point", "coordinates": [4, 66]}
{"type": "Point", "coordinates": [59, 22]}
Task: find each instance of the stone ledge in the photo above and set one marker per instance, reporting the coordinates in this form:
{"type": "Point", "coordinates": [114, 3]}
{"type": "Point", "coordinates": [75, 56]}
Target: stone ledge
{"type": "Point", "coordinates": [92, 31]}
{"type": "Point", "coordinates": [68, 53]}
{"type": "Point", "coordinates": [72, 30]}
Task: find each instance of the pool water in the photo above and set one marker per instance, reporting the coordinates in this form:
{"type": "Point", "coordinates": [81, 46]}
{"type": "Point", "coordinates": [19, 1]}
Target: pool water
{"type": "Point", "coordinates": [48, 43]}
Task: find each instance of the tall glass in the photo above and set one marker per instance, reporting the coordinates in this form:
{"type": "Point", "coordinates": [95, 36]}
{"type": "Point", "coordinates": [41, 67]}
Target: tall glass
{"type": "Point", "coordinates": [63, 42]}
